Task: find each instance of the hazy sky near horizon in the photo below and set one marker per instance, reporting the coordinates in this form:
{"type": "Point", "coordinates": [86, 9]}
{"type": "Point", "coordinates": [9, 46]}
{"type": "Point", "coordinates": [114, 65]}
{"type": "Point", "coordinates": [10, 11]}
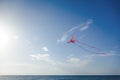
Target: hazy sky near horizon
{"type": "Point", "coordinates": [34, 36]}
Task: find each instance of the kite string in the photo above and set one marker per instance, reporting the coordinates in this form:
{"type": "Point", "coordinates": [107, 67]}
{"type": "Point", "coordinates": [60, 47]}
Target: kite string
{"type": "Point", "coordinates": [88, 50]}
{"type": "Point", "coordinates": [88, 45]}
{"type": "Point", "coordinates": [82, 47]}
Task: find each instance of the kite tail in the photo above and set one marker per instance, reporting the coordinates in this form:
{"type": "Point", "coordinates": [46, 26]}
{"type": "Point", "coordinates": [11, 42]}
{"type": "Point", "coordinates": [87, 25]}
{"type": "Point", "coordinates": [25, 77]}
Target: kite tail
{"type": "Point", "coordinates": [83, 48]}
{"type": "Point", "coordinates": [88, 50]}
{"type": "Point", "coordinates": [88, 45]}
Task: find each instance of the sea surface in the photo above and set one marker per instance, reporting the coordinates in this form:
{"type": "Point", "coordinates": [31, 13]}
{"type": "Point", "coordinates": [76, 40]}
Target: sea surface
{"type": "Point", "coordinates": [45, 77]}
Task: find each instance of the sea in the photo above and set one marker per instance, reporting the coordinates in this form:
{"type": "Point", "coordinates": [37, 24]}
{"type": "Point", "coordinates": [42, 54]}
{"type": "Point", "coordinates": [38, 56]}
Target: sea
{"type": "Point", "coordinates": [60, 77]}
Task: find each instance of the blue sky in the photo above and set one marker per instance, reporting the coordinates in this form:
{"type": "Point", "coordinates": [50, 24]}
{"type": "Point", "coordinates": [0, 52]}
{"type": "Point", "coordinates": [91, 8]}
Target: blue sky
{"type": "Point", "coordinates": [34, 36]}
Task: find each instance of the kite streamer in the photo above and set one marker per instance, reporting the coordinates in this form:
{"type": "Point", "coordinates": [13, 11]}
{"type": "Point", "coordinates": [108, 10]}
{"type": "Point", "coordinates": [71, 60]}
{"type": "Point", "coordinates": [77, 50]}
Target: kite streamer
{"type": "Point", "coordinates": [78, 43]}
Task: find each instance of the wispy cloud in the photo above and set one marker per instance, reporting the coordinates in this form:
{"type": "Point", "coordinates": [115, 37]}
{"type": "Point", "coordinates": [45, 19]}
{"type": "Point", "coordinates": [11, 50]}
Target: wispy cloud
{"type": "Point", "coordinates": [63, 38]}
{"type": "Point", "coordinates": [74, 65]}
{"type": "Point", "coordinates": [78, 62]}
{"type": "Point", "coordinates": [45, 48]}
{"type": "Point", "coordinates": [111, 53]}
{"type": "Point", "coordinates": [43, 58]}
{"type": "Point", "coordinates": [86, 25]}
{"type": "Point", "coordinates": [73, 60]}
{"type": "Point", "coordinates": [70, 61]}
{"type": "Point", "coordinates": [82, 27]}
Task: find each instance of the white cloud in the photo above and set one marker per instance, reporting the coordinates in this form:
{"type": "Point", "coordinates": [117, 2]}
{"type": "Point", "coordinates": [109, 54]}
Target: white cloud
{"type": "Point", "coordinates": [74, 65]}
{"type": "Point", "coordinates": [86, 25]}
{"type": "Point", "coordinates": [78, 61]}
{"type": "Point", "coordinates": [30, 69]}
{"type": "Point", "coordinates": [43, 58]}
{"type": "Point", "coordinates": [63, 38]}
{"type": "Point", "coordinates": [73, 60]}
{"type": "Point", "coordinates": [45, 48]}
{"type": "Point", "coordinates": [74, 28]}
{"type": "Point", "coordinates": [82, 27]}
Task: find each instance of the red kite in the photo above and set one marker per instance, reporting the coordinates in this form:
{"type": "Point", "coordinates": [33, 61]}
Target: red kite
{"type": "Point", "coordinates": [78, 43]}
{"type": "Point", "coordinates": [72, 40]}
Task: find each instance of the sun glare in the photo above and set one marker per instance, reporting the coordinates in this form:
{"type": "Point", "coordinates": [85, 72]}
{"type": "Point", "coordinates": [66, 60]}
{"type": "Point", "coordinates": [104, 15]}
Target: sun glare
{"type": "Point", "coordinates": [4, 38]}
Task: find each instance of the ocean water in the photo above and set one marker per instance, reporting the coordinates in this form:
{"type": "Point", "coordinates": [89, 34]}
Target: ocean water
{"type": "Point", "coordinates": [38, 77]}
